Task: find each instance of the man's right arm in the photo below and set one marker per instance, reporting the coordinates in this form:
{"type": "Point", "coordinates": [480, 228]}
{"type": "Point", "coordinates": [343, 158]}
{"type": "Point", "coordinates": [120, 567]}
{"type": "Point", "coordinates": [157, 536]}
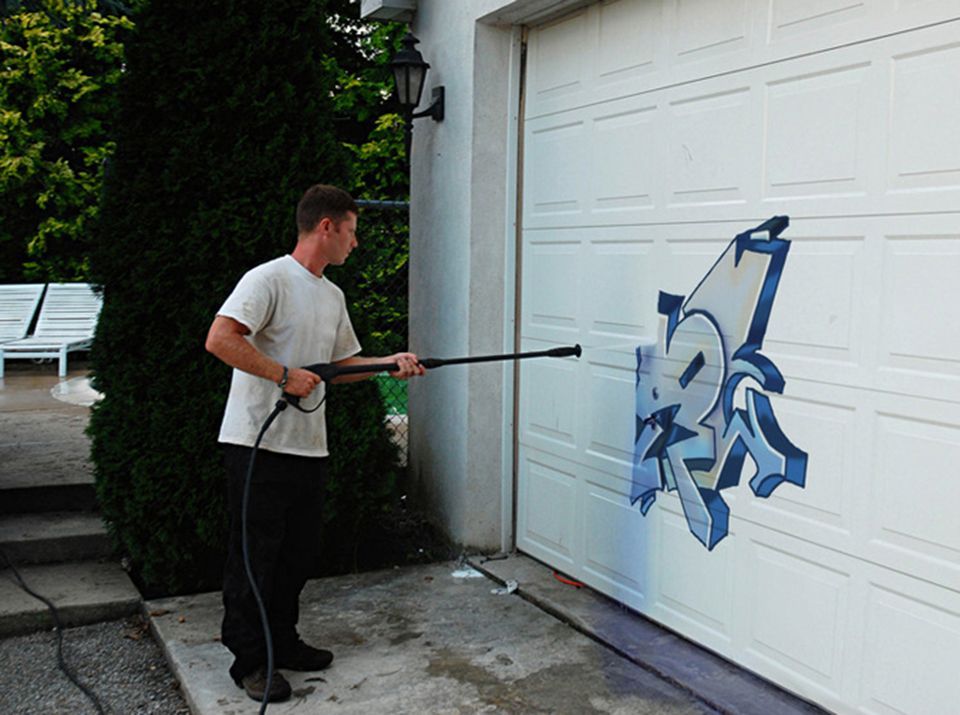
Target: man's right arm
{"type": "Point", "coordinates": [227, 340]}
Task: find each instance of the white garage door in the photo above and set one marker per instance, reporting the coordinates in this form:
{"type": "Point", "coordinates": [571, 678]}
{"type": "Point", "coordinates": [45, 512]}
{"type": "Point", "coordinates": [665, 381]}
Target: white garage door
{"type": "Point", "coordinates": [654, 132]}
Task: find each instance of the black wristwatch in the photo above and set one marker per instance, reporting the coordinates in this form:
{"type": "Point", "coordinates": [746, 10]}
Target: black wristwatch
{"type": "Point", "coordinates": [283, 380]}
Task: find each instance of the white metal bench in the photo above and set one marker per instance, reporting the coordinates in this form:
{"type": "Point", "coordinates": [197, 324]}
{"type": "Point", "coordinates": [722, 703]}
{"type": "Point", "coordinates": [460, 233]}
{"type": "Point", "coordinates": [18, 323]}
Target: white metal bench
{"type": "Point", "coordinates": [67, 320]}
{"type": "Point", "coordinates": [18, 305]}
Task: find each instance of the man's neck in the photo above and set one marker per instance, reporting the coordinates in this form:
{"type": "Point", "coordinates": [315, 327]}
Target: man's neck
{"type": "Point", "coordinates": [309, 259]}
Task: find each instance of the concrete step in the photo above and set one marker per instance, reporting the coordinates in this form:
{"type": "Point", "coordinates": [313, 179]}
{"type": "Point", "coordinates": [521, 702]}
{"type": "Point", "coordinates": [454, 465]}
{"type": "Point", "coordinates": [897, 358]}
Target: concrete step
{"type": "Point", "coordinates": [53, 536]}
{"type": "Point", "coordinates": [83, 592]}
{"type": "Point", "coordinates": [50, 497]}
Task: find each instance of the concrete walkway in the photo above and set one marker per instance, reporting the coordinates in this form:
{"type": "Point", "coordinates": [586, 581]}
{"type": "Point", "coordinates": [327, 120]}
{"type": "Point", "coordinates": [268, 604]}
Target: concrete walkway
{"type": "Point", "coordinates": [421, 640]}
{"type": "Point", "coordinates": [447, 639]}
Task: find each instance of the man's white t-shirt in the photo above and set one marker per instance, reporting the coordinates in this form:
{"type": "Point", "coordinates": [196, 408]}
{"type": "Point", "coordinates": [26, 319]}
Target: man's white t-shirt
{"type": "Point", "coordinates": [297, 319]}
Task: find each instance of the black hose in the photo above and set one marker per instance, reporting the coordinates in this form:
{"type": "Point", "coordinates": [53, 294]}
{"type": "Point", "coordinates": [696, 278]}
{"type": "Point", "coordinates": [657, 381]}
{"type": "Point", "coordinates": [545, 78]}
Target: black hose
{"type": "Point", "coordinates": [267, 636]}
{"type": "Point", "coordinates": [59, 628]}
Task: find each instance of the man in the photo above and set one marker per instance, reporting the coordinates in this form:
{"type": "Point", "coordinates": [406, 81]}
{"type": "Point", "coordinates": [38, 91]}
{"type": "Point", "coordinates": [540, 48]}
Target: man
{"type": "Point", "coordinates": [281, 315]}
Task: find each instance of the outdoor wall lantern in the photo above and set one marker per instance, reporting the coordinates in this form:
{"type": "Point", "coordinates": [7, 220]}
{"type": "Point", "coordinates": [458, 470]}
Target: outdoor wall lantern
{"type": "Point", "coordinates": [409, 73]}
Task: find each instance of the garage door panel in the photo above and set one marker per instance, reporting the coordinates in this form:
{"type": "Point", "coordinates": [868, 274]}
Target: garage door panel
{"type": "Point", "coordinates": [817, 313]}
{"type": "Point", "coordinates": [822, 509]}
{"type": "Point", "coordinates": [624, 147]}
{"type": "Point", "coordinates": [554, 70]}
{"type": "Point", "coordinates": [560, 149]}
{"type": "Point", "coordinates": [910, 342]}
{"type": "Point", "coordinates": [910, 647]}
{"type": "Point", "coordinates": [615, 308]}
{"type": "Point", "coordinates": [797, 610]}
{"type": "Point", "coordinates": [611, 409]}
{"type": "Point", "coordinates": [616, 547]}
{"type": "Point", "coordinates": [686, 260]}
{"type": "Point", "coordinates": [549, 414]}
{"type": "Point", "coordinates": [708, 137]}
{"type": "Point", "coordinates": [790, 19]}
{"type": "Point", "coordinates": [555, 305]}
{"type": "Point", "coordinates": [629, 40]}
{"type": "Point", "coordinates": [924, 115]}
{"type": "Point", "coordinates": [824, 109]}
{"type": "Point", "coordinates": [917, 487]}
{"type": "Point", "coordinates": [705, 31]}
{"type": "Point", "coordinates": [695, 587]}
{"type": "Point", "coordinates": [546, 522]}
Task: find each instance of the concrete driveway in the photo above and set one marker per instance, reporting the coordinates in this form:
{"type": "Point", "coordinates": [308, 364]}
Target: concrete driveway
{"type": "Point", "coordinates": [446, 638]}
{"type": "Point", "coordinates": [429, 639]}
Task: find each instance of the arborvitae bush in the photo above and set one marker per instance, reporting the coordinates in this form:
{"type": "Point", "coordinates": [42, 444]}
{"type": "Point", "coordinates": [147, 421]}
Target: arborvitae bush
{"type": "Point", "coordinates": [225, 120]}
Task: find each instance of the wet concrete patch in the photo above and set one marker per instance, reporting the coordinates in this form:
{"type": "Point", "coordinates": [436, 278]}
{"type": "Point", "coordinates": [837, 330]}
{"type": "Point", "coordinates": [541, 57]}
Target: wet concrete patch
{"type": "Point", "coordinates": [417, 640]}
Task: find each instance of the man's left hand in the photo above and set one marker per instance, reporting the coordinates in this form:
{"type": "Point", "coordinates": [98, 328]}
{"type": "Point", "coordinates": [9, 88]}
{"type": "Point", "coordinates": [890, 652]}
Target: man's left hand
{"type": "Point", "coordinates": [409, 366]}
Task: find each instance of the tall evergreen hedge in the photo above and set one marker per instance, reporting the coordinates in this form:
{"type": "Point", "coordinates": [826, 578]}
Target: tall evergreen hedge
{"type": "Point", "coordinates": [225, 120]}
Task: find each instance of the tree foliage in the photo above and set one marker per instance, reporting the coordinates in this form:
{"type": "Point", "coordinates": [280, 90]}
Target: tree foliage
{"type": "Point", "coordinates": [372, 132]}
{"type": "Point", "coordinates": [226, 117]}
{"type": "Point", "coordinates": [59, 66]}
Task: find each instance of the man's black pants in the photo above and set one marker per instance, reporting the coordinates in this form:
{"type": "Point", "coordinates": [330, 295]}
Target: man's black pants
{"type": "Point", "coordinates": [283, 525]}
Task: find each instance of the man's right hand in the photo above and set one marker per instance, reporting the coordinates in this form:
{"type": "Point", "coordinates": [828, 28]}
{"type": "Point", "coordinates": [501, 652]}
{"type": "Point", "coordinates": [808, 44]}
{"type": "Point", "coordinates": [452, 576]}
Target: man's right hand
{"type": "Point", "coordinates": [301, 382]}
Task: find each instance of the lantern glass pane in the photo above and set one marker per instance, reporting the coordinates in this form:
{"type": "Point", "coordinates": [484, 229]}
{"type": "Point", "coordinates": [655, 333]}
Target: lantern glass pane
{"type": "Point", "coordinates": [402, 81]}
{"type": "Point", "coordinates": [417, 73]}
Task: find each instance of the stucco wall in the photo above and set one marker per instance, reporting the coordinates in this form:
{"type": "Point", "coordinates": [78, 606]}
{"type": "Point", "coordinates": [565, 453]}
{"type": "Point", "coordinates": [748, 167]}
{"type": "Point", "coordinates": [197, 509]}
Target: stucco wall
{"type": "Point", "coordinates": [463, 178]}
{"type": "Point", "coordinates": [457, 277]}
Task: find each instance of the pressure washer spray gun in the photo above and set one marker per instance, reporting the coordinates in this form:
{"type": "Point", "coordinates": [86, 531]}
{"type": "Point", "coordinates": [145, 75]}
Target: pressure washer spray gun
{"type": "Point", "coordinates": [327, 372]}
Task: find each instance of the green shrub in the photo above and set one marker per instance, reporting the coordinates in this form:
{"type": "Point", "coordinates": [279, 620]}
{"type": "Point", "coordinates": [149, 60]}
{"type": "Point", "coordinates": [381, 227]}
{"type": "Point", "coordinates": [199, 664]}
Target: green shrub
{"type": "Point", "coordinates": [225, 119]}
{"type": "Point", "coordinates": [59, 66]}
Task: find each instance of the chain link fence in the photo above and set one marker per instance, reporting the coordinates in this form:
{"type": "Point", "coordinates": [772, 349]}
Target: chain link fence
{"type": "Point", "coordinates": [378, 291]}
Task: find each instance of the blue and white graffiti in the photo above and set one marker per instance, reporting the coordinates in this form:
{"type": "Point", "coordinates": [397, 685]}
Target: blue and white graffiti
{"type": "Point", "coordinates": [690, 435]}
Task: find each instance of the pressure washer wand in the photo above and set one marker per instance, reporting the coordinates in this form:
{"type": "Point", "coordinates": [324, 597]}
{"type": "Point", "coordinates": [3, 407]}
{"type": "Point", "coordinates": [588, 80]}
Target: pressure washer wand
{"type": "Point", "coordinates": [328, 371]}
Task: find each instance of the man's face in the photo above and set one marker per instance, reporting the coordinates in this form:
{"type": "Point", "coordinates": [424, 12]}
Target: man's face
{"type": "Point", "coordinates": [342, 238]}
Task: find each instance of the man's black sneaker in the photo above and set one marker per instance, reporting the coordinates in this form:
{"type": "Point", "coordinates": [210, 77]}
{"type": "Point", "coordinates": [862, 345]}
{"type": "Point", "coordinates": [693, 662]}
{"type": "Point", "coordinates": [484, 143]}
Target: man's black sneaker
{"type": "Point", "coordinates": [256, 683]}
{"type": "Point", "coordinates": [304, 658]}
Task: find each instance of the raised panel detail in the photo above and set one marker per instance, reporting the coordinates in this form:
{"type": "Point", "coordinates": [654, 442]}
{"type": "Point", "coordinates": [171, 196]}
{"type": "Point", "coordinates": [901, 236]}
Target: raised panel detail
{"type": "Point", "coordinates": [629, 34]}
{"type": "Point", "coordinates": [615, 308]}
{"type": "Point", "coordinates": [706, 147]}
{"type": "Point", "coordinates": [706, 28]}
{"type": "Point", "coordinates": [789, 17]}
{"type": "Point", "coordinates": [797, 613]}
{"type": "Point", "coordinates": [611, 417]}
{"type": "Point", "coordinates": [695, 584]}
{"type": "Point", "coordinates": [617, 548]}
{"type": "Point", "coordinates": [910, 655]}
{"type": "Point", "coordinates": [827, 433]}
{"type": "Point", "coordinates": [624, 160]}
{"type": "Point", "coordinates": [552, 390]}
{"type": "Point", "coordinates": [550, 267]}
{"type": "Point", "coordinates": [550, 508]}
{"type": "Point", "coordinates": [561, 156]}
{"type": "Point", "coordinates": [557, 69]}
{"type": "Point", "coordinates": [816, 311]}
{"type": "Point", "coordinates": [920, 293]}
{"type": "Point", "coordinates": [925, 114]}
{"type": "Point", "coordinates": [918, 486]}
{"type": "Point", "coordinates": [823, 111]}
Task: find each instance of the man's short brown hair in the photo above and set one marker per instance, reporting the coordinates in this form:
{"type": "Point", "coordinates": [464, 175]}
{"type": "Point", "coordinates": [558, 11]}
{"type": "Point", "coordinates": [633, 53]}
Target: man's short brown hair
{"type": "Point", "coordinates": [323, 201]}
